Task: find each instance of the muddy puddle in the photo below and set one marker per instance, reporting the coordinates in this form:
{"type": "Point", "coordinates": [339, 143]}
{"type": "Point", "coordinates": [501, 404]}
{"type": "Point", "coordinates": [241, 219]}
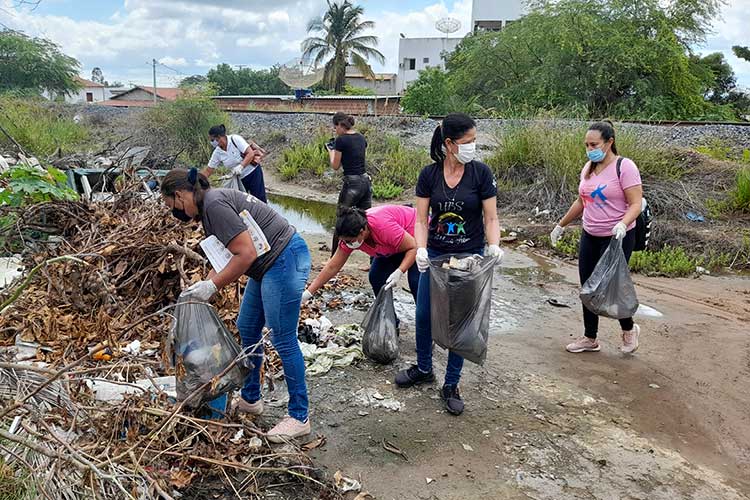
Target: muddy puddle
{"type": "Point", "coordinates": [306, 216]}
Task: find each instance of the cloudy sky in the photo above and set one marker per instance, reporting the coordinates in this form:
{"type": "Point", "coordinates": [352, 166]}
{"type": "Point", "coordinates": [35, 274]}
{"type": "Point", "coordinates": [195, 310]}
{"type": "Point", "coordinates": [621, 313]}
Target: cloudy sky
{"type": "Point", "coordinates": [192, 36]}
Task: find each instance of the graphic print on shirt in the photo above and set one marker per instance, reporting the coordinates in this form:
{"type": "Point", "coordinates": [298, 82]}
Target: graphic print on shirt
{"type": "Point", "coordinates": [599, 193]}
{"type": "Point", "coordinates": [451, 227]}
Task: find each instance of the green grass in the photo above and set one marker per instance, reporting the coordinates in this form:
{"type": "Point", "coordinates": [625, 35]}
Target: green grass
{"type": "Point", "coordinates": [38, 127]}
{"type": "Point", "coordinates": [550, 156]}
{"type": "Point", "coordinates": [15, 487]}
{"type": "Point", "coordinates": [669, 261]}
{"type": "Point", "coordinates": [394, 165]}
{"type": "Point", "coordinates": [568, 244]}
{"type": "Point", "coordinates": [385, 190]}
{"type": "Point", "coordinates": [740, 195]}
{"type": "Point", "coordinates": [300, 157]}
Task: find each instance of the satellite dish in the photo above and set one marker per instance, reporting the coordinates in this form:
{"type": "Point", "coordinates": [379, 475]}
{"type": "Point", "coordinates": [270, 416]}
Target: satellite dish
{"type": "Point", "coordinates": [448, 25]}
{"type": "Point", "coordinates": [300, 73]}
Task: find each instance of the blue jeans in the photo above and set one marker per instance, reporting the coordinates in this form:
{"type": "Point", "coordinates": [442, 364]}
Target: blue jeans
{"type": "Point", "coordinates": [275, 300]}
{"type": "Point", "coordinates": [424, 328]}
{"type": "Point", "coordinates": [382, 267]}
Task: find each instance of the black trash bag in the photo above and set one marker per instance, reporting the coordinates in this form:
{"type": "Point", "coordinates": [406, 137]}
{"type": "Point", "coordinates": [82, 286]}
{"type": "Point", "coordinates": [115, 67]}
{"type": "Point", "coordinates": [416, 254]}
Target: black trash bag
{"type": "Point", "coordinates": [380, 341]}
{"type": "Point", "coordinates": [460, 304]}
{"type": "Point", "coordinates": [609, 291]}
{"type": "Point", "coordinates": [201, 348]}
{"type": "Point", "coordinates": [234, 182]}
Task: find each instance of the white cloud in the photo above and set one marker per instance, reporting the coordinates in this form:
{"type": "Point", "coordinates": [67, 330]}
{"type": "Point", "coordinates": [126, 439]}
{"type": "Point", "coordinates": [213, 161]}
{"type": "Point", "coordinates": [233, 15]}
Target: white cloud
{"type": "Point", "coordinates": [174, 61]}
{"type": "Point", "coordinates": [731, 30]}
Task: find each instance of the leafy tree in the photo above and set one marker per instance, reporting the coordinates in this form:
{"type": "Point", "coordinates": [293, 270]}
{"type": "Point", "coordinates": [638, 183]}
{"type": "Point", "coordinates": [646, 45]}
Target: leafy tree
{"type": "Point", "coordinates": [193, 81]}
{"type": "Point", "coordinates": [611, 57]}
{"type": "Point", "coordinates": [429, 94]}
{"type": "Point", "coordinates": [341, 42]}
{"type": "Point", "coordinates": [717, 76]}
{"type": "Point", "coordinates": [34, 65]}
{"type": "Point", "coordinates": [246, 81]}
{"type": "Point", "coordinates": [742, 52]}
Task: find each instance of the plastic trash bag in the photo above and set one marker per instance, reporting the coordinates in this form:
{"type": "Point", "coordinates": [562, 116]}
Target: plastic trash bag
{"type": "Point", "coordinates": [234, 182]}
{"type": "Point", "coordinates": [202, 348]}
{"type": "Point", "coordinates": [380, 341]}
{"type": "Point", "coordinates": [609, 291]}
{"type": "Point", "coordinates": [461, 298]}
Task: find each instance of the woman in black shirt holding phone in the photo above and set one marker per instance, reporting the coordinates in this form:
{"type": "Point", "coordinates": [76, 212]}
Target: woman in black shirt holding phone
{"type": "Point", "coordinates": [347, 150]}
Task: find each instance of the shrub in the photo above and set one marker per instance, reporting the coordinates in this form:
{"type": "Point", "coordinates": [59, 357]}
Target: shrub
{"type": "Point", "coordinates": [180, 127]}
{"type": "Point", "coordinates": [669, 261]}
{"type": "Point", "coordinates": [309, 157]}
{"type": "Point", "coordinates": [392, 163]}
{"type": "Point", "coordinates": [740, 195]}
{"type": "Point", "coordinates": [37, 127]}
{"type": "Point", "coordinates": [385, 190]}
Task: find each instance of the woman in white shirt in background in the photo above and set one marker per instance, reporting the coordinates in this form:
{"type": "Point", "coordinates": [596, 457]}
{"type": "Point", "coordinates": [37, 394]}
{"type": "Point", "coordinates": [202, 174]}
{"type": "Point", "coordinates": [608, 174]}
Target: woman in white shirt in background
{"type": "Point", "coordinates": [234, 152]}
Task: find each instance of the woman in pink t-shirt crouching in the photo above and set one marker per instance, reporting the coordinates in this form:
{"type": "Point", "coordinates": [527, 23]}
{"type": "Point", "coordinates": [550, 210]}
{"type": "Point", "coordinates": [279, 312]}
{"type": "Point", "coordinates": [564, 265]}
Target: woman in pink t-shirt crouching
{"type": "Point", "coordinates": [610, 204]}
{"type": "Point", "coordinates": [385, 233]}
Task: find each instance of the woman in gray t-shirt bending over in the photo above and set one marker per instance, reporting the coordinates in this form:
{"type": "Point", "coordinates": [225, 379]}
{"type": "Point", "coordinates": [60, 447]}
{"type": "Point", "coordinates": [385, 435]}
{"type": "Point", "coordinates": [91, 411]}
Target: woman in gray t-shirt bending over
{"type": "Point", "coordinates": [273, 292]}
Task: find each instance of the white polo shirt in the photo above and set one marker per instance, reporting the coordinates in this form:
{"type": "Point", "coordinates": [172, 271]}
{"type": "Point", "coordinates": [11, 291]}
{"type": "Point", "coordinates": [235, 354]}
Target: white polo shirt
{"type": "Point", "coordinates": [232, 157]}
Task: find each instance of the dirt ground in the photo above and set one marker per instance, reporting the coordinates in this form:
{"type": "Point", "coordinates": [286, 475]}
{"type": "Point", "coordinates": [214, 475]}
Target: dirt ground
{"type": "Point", "coordinates": [672, 421]}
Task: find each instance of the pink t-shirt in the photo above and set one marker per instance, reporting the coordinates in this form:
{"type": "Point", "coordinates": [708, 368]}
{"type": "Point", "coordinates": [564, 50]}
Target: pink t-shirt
{"type": "Point", "coordinates": [603, 195]}
{"type": "Point", "coordinates": [387, 226]}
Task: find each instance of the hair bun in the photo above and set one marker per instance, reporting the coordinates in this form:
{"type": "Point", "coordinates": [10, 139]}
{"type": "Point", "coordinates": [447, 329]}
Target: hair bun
{"type": "Point", "coordinates": [193, 176]}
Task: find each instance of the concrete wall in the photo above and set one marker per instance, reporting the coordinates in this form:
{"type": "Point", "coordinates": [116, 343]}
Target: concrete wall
{"type": "Point", "coordinates": [496, 10]}
{"type": "Point", "coordinates": [421, 49]}
{"type": "Point", "coordinates": [380, 87]}
{"type": "Point", "coordinates": [371, 106]}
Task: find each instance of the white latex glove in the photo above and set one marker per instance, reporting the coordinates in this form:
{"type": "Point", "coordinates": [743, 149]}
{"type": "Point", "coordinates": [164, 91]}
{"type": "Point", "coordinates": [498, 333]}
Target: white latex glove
{"type": "Point", "coordinates": [556, 234]}
{"type": "Point", "coordinates": [202, 291]}
{"type": "Point", "coordinates": [495, 251]}
{"type": "Point", "coordinates": [393, 279]}
{"type": "Point", "coordinates": [238, 170]}
{"type": "Point", "coordinates": [423, 261]}
{"type": "Point", "coordinates": [619, 231]}
{"type": "Point", "coordinates": [306, 295]}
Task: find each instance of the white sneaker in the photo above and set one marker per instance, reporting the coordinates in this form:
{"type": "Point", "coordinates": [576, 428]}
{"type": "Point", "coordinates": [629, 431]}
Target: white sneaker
{"type": "Point", "coordinates": [630, 340]}
{"type": "Point", "coordinates": [249, 408]}
{"type": "Point", "coordinates": [288, 428]}
{"type": "Point", "coordinates": [583, 344]}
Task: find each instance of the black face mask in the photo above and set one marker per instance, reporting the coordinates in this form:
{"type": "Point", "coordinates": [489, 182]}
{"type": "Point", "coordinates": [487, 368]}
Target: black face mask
{"type": "Point", "coordinates": [179, 214]}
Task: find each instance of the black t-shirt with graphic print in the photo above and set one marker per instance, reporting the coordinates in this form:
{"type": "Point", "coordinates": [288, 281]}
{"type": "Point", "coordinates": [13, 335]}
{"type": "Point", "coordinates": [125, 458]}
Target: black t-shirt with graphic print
{"type": "Point", "coordinates": [456, 217]}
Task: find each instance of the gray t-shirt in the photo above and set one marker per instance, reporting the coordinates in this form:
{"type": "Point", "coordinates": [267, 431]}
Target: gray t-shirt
{"type": "Point", "coordinates": [221, 209]}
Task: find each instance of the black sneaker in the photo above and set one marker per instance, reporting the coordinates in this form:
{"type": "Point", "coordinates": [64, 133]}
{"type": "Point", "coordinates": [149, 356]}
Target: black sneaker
{"type": "Point", "coordinates": [453, 402]}
{"type": "Point", "coordinates": [412, 376]}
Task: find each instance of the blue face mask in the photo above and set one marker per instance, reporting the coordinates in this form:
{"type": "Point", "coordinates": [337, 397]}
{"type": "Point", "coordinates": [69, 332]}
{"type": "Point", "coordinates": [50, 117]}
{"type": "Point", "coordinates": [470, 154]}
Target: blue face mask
{"type": "Point", "coordinates": [596, 155]}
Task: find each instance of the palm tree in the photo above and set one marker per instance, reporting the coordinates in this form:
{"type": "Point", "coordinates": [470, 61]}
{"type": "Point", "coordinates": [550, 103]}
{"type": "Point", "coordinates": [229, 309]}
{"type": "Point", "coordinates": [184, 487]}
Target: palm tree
{"type": "Point", "coordinates": [342, 41]}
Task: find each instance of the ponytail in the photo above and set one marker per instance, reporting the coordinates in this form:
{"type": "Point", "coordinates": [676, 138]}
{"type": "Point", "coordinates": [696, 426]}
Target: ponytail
{"type": "Point", "coordinates": [350, 221]}
{"type": "Point", "coordinates": [180, 179]}
{"type": "Point", "coordinates": [607, 129]}
{"type": "Point", "coordinates": [453, 127]}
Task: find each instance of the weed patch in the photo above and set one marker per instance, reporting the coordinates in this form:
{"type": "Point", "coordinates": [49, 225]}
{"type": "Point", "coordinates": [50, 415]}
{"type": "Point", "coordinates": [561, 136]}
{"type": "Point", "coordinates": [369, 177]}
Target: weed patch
{"type": "Point", "coordinates": [39, 129]}
{"type": "Point", "coordinates": [301, 158]}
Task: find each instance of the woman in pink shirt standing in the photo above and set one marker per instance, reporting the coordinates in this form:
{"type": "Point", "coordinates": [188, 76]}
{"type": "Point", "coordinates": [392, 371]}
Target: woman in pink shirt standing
{"type": "Point", "coordinates": [385, 233]}
{"type": "Point", "coordinates": [609, 199]}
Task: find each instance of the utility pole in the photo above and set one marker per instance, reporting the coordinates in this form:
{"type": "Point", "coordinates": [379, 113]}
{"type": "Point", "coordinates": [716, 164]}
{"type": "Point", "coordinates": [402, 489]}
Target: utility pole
{"type": "Point", "coordinates": [153, 62]}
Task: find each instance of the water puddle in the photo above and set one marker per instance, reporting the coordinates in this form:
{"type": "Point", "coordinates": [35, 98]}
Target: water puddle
{"type": "Point", "coordinates": [306, 216]}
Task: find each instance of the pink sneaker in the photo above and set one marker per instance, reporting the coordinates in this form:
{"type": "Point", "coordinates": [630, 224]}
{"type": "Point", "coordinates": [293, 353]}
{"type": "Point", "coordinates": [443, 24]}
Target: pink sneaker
{"type": "Point", "coordinates": [583, 344]}
{"type": "Point", "coordinates": [288, 428]}
{"type": "Point", "coordinates": [630, 340]}
{"type": "Point", "coordinates": [249, 408]}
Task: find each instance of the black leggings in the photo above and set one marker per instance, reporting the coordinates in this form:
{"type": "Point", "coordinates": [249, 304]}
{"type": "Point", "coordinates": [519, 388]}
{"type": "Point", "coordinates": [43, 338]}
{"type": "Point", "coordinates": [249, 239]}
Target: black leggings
{"type": "Point", "coordinates": [356, 192]}
{"type": "Point", "coordinates": [591, 250]}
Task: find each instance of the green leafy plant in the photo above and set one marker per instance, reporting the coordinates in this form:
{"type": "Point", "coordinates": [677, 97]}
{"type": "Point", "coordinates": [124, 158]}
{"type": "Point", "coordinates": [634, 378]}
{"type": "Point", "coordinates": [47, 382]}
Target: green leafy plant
{"type": "Point", "coordinates": [301, 157]}
{"type": "Point", "coordinates": [386, 190]}
{"type": "Point", "coordinates": [740, 195]}
{"type": "Point", "coordinates": [716, 149]}
{"type": "Point", "coordinates": [24, 185]}
{"type": "Point", "coordinates": [668, 261]}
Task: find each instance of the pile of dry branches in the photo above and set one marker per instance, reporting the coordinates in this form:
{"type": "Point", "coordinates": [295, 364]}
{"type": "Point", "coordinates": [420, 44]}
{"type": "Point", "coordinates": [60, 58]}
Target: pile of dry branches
{"type": "Point", "coordinates": [103, 275]}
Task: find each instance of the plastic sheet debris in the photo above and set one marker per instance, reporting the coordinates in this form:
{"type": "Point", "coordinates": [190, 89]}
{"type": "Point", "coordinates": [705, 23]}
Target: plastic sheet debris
{"type": "Point", "coordinates": [648, 312]}
{"type": "Point", "coordinates": [112, 392]}
{"type": "Point", "coordinates": [371, 397]}
{"type": "Point", "coordinates": [10, 269]}
{"type": "Point", "coordinates": [461, 296]}
{"type": "Point", "coordinates": [380, 341]}
{"type": "Point", "coordinates": [320, 360]}
{"type": "Point", "coordinates": [133, 348]}
{"type": "Point", "coordinates": [346, 484]}
{"type": "Point", "coordinates": [610, 291]}
{"type": "Point", "coordinates": [203, 348]}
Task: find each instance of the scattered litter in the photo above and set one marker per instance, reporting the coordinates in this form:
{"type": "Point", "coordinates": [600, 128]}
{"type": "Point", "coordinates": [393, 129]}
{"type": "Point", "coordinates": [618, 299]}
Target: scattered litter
{"type": "Point", "coordinates": [105, 390]}
{"type": "Point", "coordinates": [557, 303]}
{"type": "Point", "coordinates": [394, 449]}
{"type": "Point", "coordinates": [372, 398]}
{"type": "Point", "coordinates": [320, 360]}
{"type": "Point", "coordinates": [318, 442]}
{"type": "Point", "coordinates": [238, 436]}
{"type": "Point", "coordinates": [654, 386]}
{"type": "Point", "coordinates": [486, 433]}
{"type": "Point", "coordinates": [363, 413]}
{"type": "Point", "coordinates": [255, 443]}
{"type": "Point", "coordinates": [649, 312]}
{"type": "Point", "coordinates": [702, 270]}
{"type": "Point", "coordinates": [429, 480]}
{"type": "Point", "coordinates": [467, 447]}
{"type": "Point", "coordinates": [133, 348]}
{"type": "Point", "coordinates": [346, 484]}
{"type": "Point", "coordinates": [693, 217]}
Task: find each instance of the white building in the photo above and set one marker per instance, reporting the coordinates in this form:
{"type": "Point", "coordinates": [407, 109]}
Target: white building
{"type": "Point", "coordinates": [494, 15]}
{"type": "Point", "coordinates": [416, 54]}
{"type": "Point", "coordinates": [88, 92]}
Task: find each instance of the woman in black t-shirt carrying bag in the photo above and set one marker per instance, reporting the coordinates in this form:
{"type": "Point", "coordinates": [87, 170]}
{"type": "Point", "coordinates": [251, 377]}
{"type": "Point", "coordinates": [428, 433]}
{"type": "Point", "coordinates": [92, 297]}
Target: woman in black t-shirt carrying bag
{"type": "Point", "coordinates": [347, 150]}
{"type": "Point", "coordinates": [459, 194]}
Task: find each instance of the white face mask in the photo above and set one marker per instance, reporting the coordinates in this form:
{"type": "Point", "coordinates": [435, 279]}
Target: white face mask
{"type": "Point", "coordinates": [466, 152]}
{"type": "Point", "coordinates": [215, 143]}
{"type": "Point", "coordinates": [353, 245]}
